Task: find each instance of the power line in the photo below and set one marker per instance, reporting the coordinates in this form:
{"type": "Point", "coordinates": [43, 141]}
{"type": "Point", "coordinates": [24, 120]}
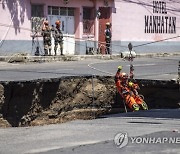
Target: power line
{"type": "Point", "coordinates": [157, 41]}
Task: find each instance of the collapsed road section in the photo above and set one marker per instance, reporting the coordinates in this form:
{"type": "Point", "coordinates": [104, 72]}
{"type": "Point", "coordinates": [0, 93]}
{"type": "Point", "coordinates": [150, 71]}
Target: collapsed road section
{"type": "Point", "coordinates": [57, 100]}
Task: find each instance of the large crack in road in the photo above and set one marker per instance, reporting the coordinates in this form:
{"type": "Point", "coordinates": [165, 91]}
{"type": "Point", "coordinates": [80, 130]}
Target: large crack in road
{"type": "Point", "coordinates": [57, 100]}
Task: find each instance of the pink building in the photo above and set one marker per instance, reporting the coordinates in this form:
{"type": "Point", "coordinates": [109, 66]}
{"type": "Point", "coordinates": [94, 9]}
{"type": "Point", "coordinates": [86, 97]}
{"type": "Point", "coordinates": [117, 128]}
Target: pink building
{"type": "Point", "coordinates": [151, 26]}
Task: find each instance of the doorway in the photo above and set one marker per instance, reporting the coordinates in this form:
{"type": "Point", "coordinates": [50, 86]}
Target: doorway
{"type": "Point", "coordinates": [66, 16]}
{"type": "Point", "coordinates": [105, 13]}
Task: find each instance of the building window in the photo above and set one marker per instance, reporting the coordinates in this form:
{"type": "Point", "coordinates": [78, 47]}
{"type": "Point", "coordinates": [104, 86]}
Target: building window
{"type": "Point", "coordinates": [37, 10]}
{"type": "Point", "coordinates": [49, 10]}
{"type": "Point", "coordinates": [88, 20]}
{"type": "Point", "coordinates": [70, 11]}
{"type": "Point", "coordinates": [87, 13]}
{"type": "Point", "coordinates": [55, 11]}
{"type": "Point", "coordinates": [63, 11]}
{"type": "Point", "coordinates": [37, 17]}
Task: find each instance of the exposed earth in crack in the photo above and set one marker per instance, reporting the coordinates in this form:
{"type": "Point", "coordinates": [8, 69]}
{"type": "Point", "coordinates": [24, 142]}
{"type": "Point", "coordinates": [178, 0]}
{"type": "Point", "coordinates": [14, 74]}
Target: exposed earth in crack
{"type": "Point", "coordinates": [40, 102]}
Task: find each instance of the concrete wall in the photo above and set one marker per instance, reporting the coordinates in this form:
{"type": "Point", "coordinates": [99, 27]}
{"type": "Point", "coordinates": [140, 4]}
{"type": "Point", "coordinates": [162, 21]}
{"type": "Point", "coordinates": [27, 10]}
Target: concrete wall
{"type": "Point", "coordinates": [15, 27]}
{"type": "Point", "coordinates": [15, 20]}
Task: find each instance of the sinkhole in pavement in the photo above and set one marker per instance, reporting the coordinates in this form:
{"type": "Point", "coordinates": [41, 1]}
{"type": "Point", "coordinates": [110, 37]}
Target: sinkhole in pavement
{"type": "Point", "coordinates": [57, 100]}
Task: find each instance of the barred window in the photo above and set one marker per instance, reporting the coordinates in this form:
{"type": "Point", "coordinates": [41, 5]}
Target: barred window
{"type": "Point", "coordinates": [36, 23]}
{"type": "Point", "coordinates": [88, 20]}
{"type": "Point", "coordinates": [87, 13]}
{"type": "Point", "coordinates": [70, 11]}
{"type": "Point", "coordinates": [63, 11]}
{"type": "Point", "coordinates": [37, 10]}
{"type": "Point", "coordinates": [37, 17]}
{"type": "Point", "coordinates": [55, 10]}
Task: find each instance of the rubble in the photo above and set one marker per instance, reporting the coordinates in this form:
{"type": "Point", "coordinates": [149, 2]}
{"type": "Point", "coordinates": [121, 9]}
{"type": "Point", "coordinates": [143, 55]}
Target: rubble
{"type": "Point", "coordinates": [18, 57]}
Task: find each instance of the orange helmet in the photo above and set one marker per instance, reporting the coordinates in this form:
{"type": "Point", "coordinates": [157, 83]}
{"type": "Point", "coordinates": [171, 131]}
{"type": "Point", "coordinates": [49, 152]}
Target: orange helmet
{"type": "Point", "coordinates": [58, 22]}
{"type": "Point", "coordinates": [46, 22]}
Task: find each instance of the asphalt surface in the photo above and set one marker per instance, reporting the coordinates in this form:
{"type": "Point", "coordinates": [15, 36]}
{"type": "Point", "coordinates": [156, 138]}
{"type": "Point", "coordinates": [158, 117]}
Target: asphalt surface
{"type": "Point", "coordinates": [161, 68]}
{"type": "Point", "coordinates": [97, 136]}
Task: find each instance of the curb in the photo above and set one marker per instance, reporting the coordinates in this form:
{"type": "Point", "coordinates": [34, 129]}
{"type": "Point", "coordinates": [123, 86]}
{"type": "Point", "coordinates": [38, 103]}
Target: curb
{"type": "Point", "coordinates": [28, 58]}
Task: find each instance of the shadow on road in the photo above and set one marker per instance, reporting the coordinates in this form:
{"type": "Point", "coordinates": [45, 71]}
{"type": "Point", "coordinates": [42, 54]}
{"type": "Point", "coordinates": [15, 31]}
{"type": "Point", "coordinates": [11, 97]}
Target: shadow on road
{"type": "Point", "coordinates": [154, 113]}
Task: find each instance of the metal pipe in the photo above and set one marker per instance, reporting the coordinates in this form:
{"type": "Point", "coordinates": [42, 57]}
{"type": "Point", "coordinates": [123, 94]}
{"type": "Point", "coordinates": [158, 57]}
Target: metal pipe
{"type": "Point", "coordinates": [92, 89]}
{"type": "Point", "coordinates": [93, 96]}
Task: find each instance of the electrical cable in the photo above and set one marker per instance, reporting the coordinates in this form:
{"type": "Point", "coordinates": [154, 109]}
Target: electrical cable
{"type": "Point", "coordinates": [157, 41]}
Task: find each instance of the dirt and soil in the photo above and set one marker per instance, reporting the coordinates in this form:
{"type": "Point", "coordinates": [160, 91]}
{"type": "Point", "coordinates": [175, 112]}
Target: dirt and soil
{"type": "Point", "coordinates": [40, 102]}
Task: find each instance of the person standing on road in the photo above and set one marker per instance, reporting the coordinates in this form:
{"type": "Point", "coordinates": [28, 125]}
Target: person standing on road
{"type": "Point", "coordinates": [46, 33]}
{"type": "Point", "coordinates": [58, 37]}
{"type": "Point", "coordinates": [108, 36]}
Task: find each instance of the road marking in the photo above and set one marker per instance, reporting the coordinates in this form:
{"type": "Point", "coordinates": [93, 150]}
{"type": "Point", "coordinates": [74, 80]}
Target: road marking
{"type": "Point", "coordinates": [136, 65]}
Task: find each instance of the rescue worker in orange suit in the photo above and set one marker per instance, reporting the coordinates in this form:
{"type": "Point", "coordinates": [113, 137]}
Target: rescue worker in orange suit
{"type": "Point", "coordinates": [58, 37]}
{"type": "Point", "coordinates": [122, 87]}
{"type": "Point", "coordinates": [133, 87]}
{"type": "Point", "coordinates": [46, 33]}
{"type": "Point", "coordinates": [118, 74]}
{"type": "Point", "coordinates": [108, 36]}
{"type": "Point", "coordinates": [128, 91]}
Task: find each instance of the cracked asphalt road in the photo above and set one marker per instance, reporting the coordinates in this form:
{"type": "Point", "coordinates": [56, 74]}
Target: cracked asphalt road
{"type": "Point", "coordinates": [96, 136]}
{"type": "Point", "coordinates": [161, 68]}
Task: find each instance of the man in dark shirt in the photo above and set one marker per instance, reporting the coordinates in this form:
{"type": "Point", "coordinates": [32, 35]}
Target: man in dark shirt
{"type": "Point", "coordinates": [108, 35]}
